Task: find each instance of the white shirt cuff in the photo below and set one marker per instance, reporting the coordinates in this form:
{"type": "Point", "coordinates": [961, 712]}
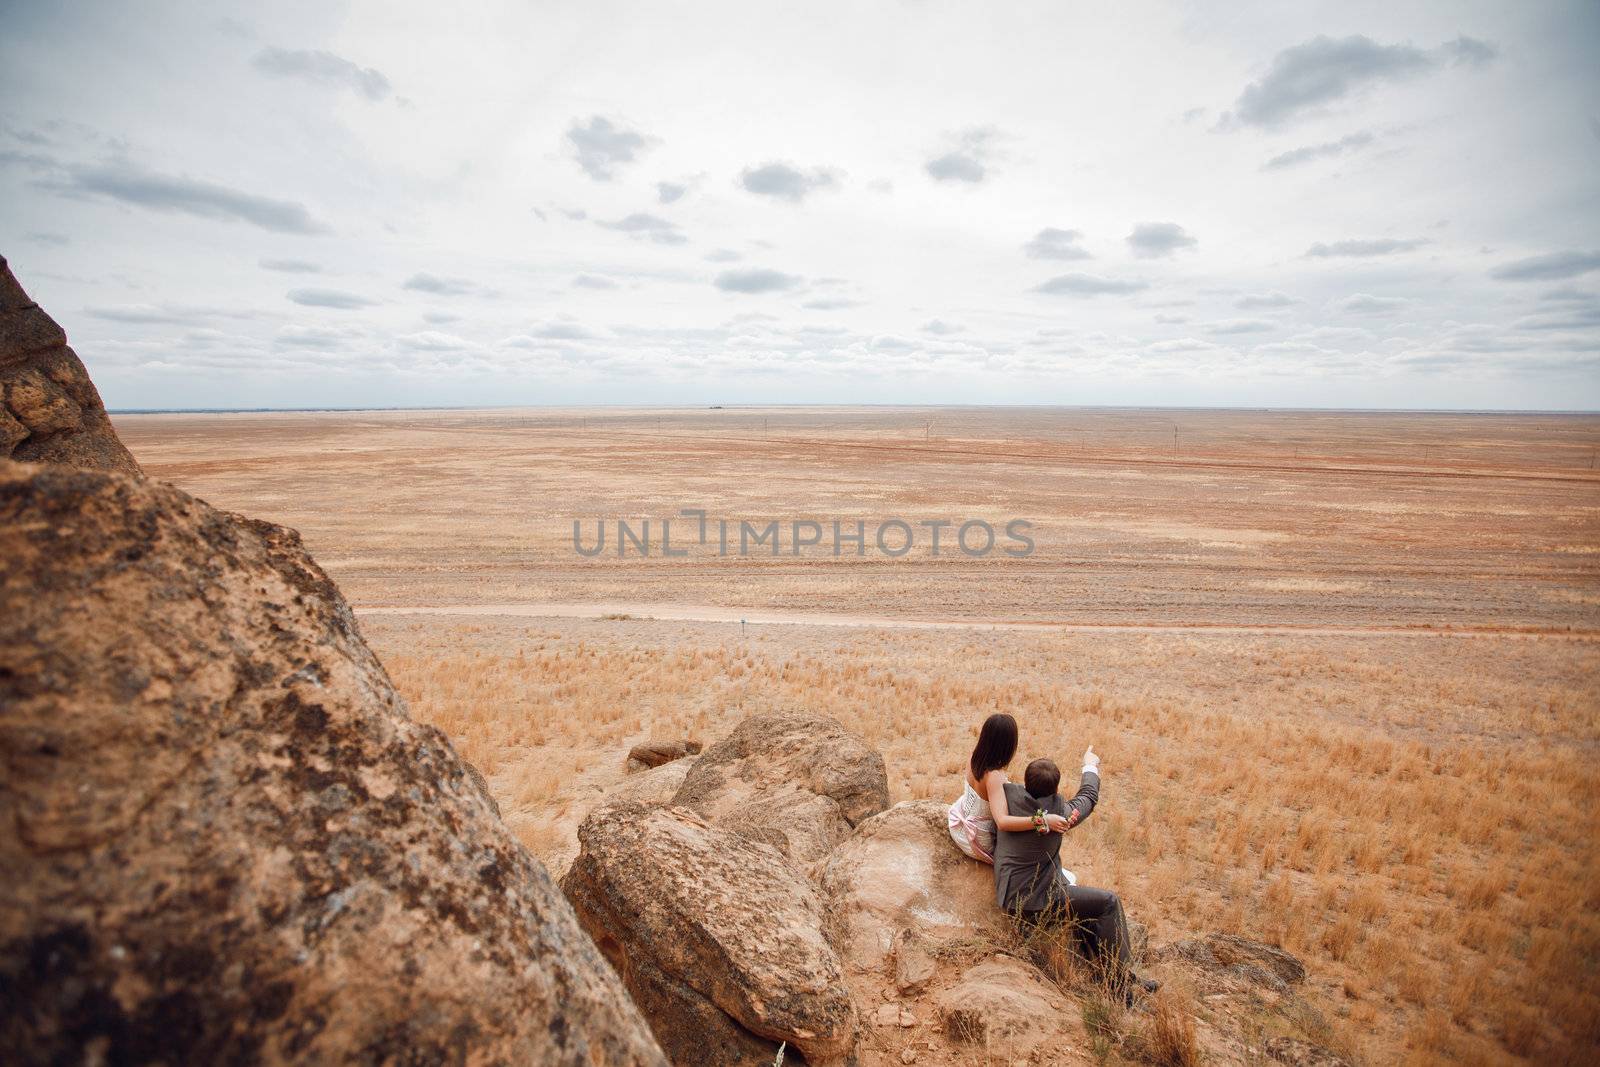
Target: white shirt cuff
{"type": "Point", "coordinates": [1089, 768]}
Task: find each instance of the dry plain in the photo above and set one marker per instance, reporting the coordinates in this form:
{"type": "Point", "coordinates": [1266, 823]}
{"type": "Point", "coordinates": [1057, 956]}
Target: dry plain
{"type": "Point", "coordinates": [1341, 667]}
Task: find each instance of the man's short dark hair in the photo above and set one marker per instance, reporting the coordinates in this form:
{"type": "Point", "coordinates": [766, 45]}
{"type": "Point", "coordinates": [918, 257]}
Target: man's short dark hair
{"type": "Point", "coordinates": [1042, 778]}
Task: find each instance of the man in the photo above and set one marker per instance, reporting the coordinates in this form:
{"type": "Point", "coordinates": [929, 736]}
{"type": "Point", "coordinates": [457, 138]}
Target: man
{"type": "Point", "coordinates": [1030, 885]}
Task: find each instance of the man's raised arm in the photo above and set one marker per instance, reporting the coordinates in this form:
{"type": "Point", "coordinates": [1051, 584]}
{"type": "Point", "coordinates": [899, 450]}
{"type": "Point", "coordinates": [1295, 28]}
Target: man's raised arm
{"type": "Point", "coordinates": [1083, 802]}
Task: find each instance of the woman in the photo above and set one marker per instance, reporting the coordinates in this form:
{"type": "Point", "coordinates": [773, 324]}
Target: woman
{"type": "Point", "coordinates": [972, 817]}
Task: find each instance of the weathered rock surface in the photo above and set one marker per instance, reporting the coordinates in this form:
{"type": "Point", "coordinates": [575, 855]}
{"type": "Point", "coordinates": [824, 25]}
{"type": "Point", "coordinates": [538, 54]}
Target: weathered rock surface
{"type": "Point", "coordinates": [658, 785]}
{"type": "Point", "coordinates": [900, 873]}
{"type": "Point", "coordinates": [916, 924]}
{"type": "Point", "coordinates": [1009, 1011]}
{"type": "Point", "coordinates": [1239, 957]}
{"type": "Point", "coordinates": [1297, 1053]}
{"type": "Point", "coordinates": [798, 782]}
{"type": "Point", "coordinates": [718, 938]}
{"type": "Point", "coordinates": [224, 839]}
{"type": "Point", "coordinates": [654, 753]}
{"type": "Point", "coordinates": [50, 412]}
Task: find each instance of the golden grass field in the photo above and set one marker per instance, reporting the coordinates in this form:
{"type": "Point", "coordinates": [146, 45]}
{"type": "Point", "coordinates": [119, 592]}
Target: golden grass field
{"type": "Point", "coordinates": [1341, 668]}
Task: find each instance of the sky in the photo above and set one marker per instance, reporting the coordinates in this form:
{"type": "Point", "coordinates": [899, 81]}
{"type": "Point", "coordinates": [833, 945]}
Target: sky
{"type": "Point", "coordinates": [1346, 204]}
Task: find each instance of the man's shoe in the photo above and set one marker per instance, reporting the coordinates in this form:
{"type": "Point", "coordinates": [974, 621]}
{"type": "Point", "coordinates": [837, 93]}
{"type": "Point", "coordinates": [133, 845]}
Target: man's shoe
{"type": "Point", "coordinates": [1137, 988]}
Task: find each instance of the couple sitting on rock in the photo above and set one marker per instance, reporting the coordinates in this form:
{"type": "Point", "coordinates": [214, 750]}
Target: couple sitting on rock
{"type": "Point", "coordinates": [1017, 829]}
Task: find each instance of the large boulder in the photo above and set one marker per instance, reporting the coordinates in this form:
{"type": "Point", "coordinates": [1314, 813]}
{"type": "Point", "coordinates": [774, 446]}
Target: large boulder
{"type": "Point", "coordinates": [924, 944]}
{"type": "Point", "coordinates": [225, 841]}
{"type": "Point", "coordinates": [1240, 958]}
{"type": "Point", "coordinates": [1006, 1009]}
{"type": "Point", "coordinates": [50, 412]}
{"type": "Point", "coordinates": [798, 782]}
{"type": "Point", "coordinates": [649, 754]}
{"type": "Point", "coordinates": [717, 937]}
{"type": "Point", "coordinates": [900, 874]}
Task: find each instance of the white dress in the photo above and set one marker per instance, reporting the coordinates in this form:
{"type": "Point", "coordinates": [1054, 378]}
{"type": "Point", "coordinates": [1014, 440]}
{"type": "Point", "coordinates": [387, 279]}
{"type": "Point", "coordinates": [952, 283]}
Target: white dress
{"type": "Point", "coordinates": [972, 824]}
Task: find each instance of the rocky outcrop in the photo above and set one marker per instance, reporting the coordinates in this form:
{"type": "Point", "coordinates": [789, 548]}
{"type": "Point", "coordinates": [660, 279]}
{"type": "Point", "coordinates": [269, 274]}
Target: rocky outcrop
{"type": "Point", "coordinates": [658, 785]}
{"type": "Point", "coordinates": [654, 753]}
{"type": "Point", "coordinates": [1008, 1010]}
{"type": "Point", "coordinates": [718, 938]}
{"type": "Point", "coordinates": [797, 782]}
{"type": "Point", "coordinates": [898, 880]}
{"type": "Point", "coordinates": [225, 840]}
{"type": "Point", "coordinates": [1240, 958]}
{"type": "Point", "coordinates": [51, 411]}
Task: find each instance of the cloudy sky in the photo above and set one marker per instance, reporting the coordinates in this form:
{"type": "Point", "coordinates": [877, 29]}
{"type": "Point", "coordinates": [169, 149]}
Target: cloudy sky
{"type": "Point", "coordinates": [1345, 204]}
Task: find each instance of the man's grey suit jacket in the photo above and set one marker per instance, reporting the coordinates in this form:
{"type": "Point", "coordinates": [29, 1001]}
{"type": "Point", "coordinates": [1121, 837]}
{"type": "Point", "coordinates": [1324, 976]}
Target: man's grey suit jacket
{"type": "Point", "coordinates": [1027, 867]}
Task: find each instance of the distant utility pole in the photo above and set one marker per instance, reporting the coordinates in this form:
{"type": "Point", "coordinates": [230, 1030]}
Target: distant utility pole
{"type": "Point", "coordinates": [927, 430]}
{"type": "Point", "coordinates": [1174, 440]}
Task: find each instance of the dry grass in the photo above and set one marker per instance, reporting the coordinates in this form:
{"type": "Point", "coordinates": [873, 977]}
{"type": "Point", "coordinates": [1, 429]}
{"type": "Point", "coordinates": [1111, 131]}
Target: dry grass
{"type": "Point", "coordinates": [1452, 879]}
{"type": "Point", "coordinates": [1416, 817]}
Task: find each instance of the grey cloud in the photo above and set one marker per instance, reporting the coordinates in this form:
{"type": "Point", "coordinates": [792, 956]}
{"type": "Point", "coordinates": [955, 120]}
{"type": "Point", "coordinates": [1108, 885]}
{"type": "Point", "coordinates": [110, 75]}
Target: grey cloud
{"type": "Point", "coordinates": [329, 298]}
{"type": "Point", "coordinates": [784, 182]}
{"type": "Point", "coordinates": [1576, 318]}
{"type": "Point", "coordinates": [1552, 267]}
{"type": "Point", "coordinates": [1568, 293]}
{"type": "Point", "coordinates": [1469, 50]}
{"type": "Point", "coordinates": [325, 68]}
{"type": "Point", "coordinates": [723, 255]}
{"type": "Point", "coordinates": [162, 192]}
{"type": "Point", "coordinates": [1381, 246]}
{"type": "Point", "coordinates": [670, 192]}
{"type": "Point", "coordinates": [433, 341]}
{"type": "Point", "coordinates": [593, 281]}
{"type": "Point", "coordinates": [1051, 243]}
{"type": "Point", "coordinates": [647, 227]}
{"type": "Point", "coordinates": [1182, 344]}
{"type": "Point", "coordinates": [319, 338]}
{"type": "Point", "coordinates": [1265, 300]}
{"type": "Point", "coordinates": [756, 280]}
{"type": "Point", "coordinates": [1089, 285]}
{"type": "Point", "coordinates": [1324, 70]}
{"type": "Point", "coordinates": [831, 303]}
{"type": "Point", "coordinates": [955, 167]}
{"type": "Point", "coordinates": [1326, 150]}
{"type": "Point", "coordinates": [602, 146]}
{"type": "Point", "coordinates": [440, 317]}
{"type": "Point", "coordinates": [965, 163]}
{"type": "Point", "coordinates": [1235, 326]}
{"type": "Point", "coordinates": [290, 266]}
{"type": "Point", "coordinates": [942, 328]}
{"type": "Point", "coordinates": [138, 313]}
{"type": "Point", "coordinates": [439, 285]}
{"type": "Point", "coordinates": [1150, 240]}
{"type": "Point", "coordinates": [561, 331]}
{"type": "Point", "coordinates": [47, 237]}
{"type": "Point", "coordinates": [1172, 320]}
{"type": "Point", "coordinates": [1367, 304]}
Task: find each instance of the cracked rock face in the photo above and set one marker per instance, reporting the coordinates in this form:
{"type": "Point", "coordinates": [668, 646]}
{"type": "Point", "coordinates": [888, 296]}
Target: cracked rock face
{"type": "Point", "coordinates": [50, 412]}
{"type": "Point", "coordinates": [797, 782]}
{"type": "Point", "coordinates": [225, 840]}
{"type": "Point", "coordinates": [718, 938]}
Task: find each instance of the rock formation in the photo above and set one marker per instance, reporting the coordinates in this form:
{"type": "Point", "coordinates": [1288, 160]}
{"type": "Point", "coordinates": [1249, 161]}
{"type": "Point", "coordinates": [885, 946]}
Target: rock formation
{"type": "Point", "coordinates": [718, 938]}
{"type": "Point", "coordinates": [225, 840]}
{"type": "Point", "coordinates": [50, 412]}
{"type": "Point", "coordinates": [798, 782]}
{"type": "Point", "coordinates": [654, 753]}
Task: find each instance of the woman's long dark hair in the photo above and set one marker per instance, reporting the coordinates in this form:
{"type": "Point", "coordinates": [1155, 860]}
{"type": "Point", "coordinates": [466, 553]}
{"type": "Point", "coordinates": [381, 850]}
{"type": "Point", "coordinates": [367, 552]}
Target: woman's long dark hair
{"type": "Point", "coordinates": [997, 744]}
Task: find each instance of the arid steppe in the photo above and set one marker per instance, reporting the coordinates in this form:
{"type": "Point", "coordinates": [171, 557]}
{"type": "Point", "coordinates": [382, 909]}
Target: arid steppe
{"type": "Point", "coordinates": [1341, 667]}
